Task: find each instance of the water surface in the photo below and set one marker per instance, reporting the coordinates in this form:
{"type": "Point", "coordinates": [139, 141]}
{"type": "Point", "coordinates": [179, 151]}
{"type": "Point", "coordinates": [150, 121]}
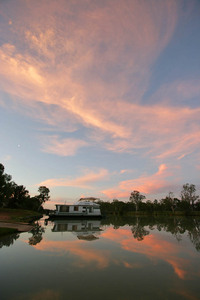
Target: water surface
{"type": "Point", "coordinates": [137, 258]}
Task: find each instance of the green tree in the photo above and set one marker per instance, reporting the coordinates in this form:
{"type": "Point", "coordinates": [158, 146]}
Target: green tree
{"type": "Point", "coordinates": [136, 198]}
{"type": "Point", "coordinates": [188, 194]}
{"type": "Point", "coordinates": [118, 206]}
{"type": "Point", "coordinates": [169, 202]}
{"type": "Point", "coordinates": [149, 206]}
{"type": "Point", "coordinates": [43, 196]}
{"type": "Point", "coordinates": [19, 197]}
{"type": "Point", "coordinates": [6, 187]}
{"type": "Point", "coordinates": [156, 205]}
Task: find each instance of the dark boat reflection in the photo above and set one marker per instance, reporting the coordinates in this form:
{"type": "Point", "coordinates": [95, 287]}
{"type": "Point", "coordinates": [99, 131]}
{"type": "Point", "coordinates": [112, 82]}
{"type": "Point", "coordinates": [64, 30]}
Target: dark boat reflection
{"type": "Point", "coordinates": [88, 230]}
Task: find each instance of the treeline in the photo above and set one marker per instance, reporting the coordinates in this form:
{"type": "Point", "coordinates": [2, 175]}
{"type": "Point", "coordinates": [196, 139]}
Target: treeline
{"type": "Point", "coordinates": [13, 195]}
{"type": "Point", "coordinates": [188, 203]}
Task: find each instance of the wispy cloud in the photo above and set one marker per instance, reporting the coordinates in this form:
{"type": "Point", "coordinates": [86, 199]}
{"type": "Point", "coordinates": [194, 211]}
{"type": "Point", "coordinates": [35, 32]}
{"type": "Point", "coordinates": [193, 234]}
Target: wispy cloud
{"type": "Point", "coordinates": [63, 147]}
{"type": "Point", "coordinates": [147, 184]}
{"type": "Point", "coordinates": [84, 181]}
{"type": "Point", "coordinates": [7, 158]}
{"type": "Point", "coordinates": [71, 77]}
{"type": "Point", "coordinates": [90, 66]}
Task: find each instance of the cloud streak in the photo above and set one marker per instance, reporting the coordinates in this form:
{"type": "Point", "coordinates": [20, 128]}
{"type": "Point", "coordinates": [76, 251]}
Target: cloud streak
{"type": "Point", "coordinates": [69, 75]}
{"type": "Point", "coordinates": [86, 65]}
{"type": "Point", "coordinates": [147, 184]}
{"type": "Point", "coordinates": [64, 147]}
{"type": "Point", "coordinates": [84, 181]}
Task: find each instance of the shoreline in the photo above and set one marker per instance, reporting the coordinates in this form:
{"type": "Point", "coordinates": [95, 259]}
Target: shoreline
{"type": "Point", "coordinates": [20, 227]}
{"type": "Point", "coordinates": [18, 219]}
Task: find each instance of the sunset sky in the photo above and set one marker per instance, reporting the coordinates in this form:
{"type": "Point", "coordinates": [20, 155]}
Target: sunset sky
{"type": "Point", "coordinates": [100, 97]}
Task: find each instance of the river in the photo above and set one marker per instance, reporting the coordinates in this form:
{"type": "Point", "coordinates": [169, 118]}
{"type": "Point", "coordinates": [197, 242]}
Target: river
{"type": "Point", "coordinates": [117, 259]}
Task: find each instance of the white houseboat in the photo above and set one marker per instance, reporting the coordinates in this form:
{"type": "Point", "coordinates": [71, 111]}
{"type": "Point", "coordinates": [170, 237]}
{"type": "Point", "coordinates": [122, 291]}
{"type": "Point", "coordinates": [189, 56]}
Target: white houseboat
{"type": "Point", "coordinates": [85, 207]}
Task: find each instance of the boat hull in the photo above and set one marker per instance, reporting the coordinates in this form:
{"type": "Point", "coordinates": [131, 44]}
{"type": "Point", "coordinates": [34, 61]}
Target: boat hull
{"type": "Point", "coordinates": [73, 216]}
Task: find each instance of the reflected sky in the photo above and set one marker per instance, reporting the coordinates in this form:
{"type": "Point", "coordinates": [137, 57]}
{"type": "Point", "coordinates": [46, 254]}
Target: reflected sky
{"type": "Point", "coordinates": [116, 265]}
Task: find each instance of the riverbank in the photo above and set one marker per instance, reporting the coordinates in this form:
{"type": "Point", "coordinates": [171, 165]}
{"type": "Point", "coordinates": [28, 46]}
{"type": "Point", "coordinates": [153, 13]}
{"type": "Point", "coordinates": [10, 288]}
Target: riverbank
{"type": "Point", "coordinates": [17, 220]}
{"type": "Point", "coordinates": [153, 213]}
{"type": "Point", "coordinates": [164, 213]}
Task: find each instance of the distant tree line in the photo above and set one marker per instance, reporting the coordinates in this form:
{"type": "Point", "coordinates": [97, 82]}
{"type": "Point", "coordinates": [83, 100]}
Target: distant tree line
{"type": "Point", "coordinates": [17, 196]}
{"type": "Point", "coordinates": [189, 202]}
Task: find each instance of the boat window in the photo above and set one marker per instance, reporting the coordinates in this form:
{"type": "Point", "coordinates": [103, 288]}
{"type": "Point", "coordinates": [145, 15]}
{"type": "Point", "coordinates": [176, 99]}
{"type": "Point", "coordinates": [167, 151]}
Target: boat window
{"type": "Point", "coordinates": [75, 208]}
{"type": "Point", "coordinates": [64, 208]}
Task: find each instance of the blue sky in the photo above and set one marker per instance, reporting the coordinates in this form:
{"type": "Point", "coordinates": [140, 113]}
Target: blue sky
{"type": "Point", "coordinates": [99, 98]}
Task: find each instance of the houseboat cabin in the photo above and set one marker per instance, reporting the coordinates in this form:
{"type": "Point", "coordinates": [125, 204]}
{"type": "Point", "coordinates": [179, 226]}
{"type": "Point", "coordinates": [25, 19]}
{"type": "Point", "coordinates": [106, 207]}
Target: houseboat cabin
{"type": "Point", "coordinates": [85, 207]}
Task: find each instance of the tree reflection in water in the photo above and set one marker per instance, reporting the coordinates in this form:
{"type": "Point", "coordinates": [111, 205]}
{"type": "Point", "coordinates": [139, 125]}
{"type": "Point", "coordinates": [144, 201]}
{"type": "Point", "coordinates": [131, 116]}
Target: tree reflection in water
{"type": "Point", "coordinates": [37, 232]}
{"type": "Point", "coordinates": [194, 234]}
{"type": "Point", "coordinates": [36, 237]}
{"type": "Point", "coordinates": [8, 240]}
{"type": "Point", "coordinates": [177, 226]}
{"type": "Point", "coordinates": [140, 227]}
{"type": "Point", "coordinates": [138, 230]}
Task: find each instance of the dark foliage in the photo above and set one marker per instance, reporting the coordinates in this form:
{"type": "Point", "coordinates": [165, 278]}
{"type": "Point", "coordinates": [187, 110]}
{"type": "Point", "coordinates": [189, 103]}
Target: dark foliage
{"type": "Point", "coordinates": [188, 204]}
{"type": "Point", "coordinates": [17, 196]}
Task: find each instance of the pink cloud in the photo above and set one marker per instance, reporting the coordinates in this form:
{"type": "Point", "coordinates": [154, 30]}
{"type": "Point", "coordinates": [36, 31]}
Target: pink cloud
{"type": "Point", "coordinates": [84, 181]}
{"type": "Point", "coordinates": [126, 171]}
{"type": "Point", "coordinates": [146, 184]}
{"type": "Point", "coordinates": [158, 128]}
{"type": "Point", "coordinates": [62, 72]}
{"type": "Point", "coordinates": [79, 66]}
{"type": "Point", "coordinates": [62, 147]}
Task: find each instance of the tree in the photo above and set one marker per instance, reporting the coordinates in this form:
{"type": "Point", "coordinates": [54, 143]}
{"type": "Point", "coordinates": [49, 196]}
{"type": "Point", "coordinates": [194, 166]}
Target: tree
{"type": "Point", "coordinates": [6, 187]}
{"type": "Point", "coordinates": [43, 196]}
{"type": "Point", "coordinates": [16, 196]}
{"type": "Point", "coordinates": [136, 198]}
{"type": "Point", "coordinates": [169, 202]}
{"type": "Point", "coordinates": [19, 197]}
{"type": "Point", "coordinates": [118, 206]}
{"type": "Point", "coordinates": [188, 194]}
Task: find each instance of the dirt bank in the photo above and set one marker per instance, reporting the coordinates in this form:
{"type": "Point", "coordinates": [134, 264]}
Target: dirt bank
{"type": "Point", "coordinates": [17, 218]}
{"type": "Point", "coordinates": [19, 226]}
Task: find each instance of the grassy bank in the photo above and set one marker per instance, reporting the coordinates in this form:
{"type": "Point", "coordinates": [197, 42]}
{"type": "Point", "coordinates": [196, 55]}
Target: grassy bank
{"type": "Point", "coordinates": [16, 220]}
{"type": "Point", "coordinates": [18, 215]}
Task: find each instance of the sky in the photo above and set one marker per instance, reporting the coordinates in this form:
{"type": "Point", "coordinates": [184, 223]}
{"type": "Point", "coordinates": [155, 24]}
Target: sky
{"type": "Point", "coordinates": [100, 98]}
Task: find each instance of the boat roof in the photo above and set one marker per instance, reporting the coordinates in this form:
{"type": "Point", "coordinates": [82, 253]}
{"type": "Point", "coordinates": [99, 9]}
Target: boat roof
{"type": "Point", "coordinates": [89, 201]}
{"type": "Point", "coordinates": [81, 203]}
{"type": "Point", "coordinates": [86, 203]}
{"type": "Point", "coordinates": [92, 199]}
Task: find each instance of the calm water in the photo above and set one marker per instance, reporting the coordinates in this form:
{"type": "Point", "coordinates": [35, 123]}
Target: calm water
{"type": "Point", "coordinates": [138, 258]}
